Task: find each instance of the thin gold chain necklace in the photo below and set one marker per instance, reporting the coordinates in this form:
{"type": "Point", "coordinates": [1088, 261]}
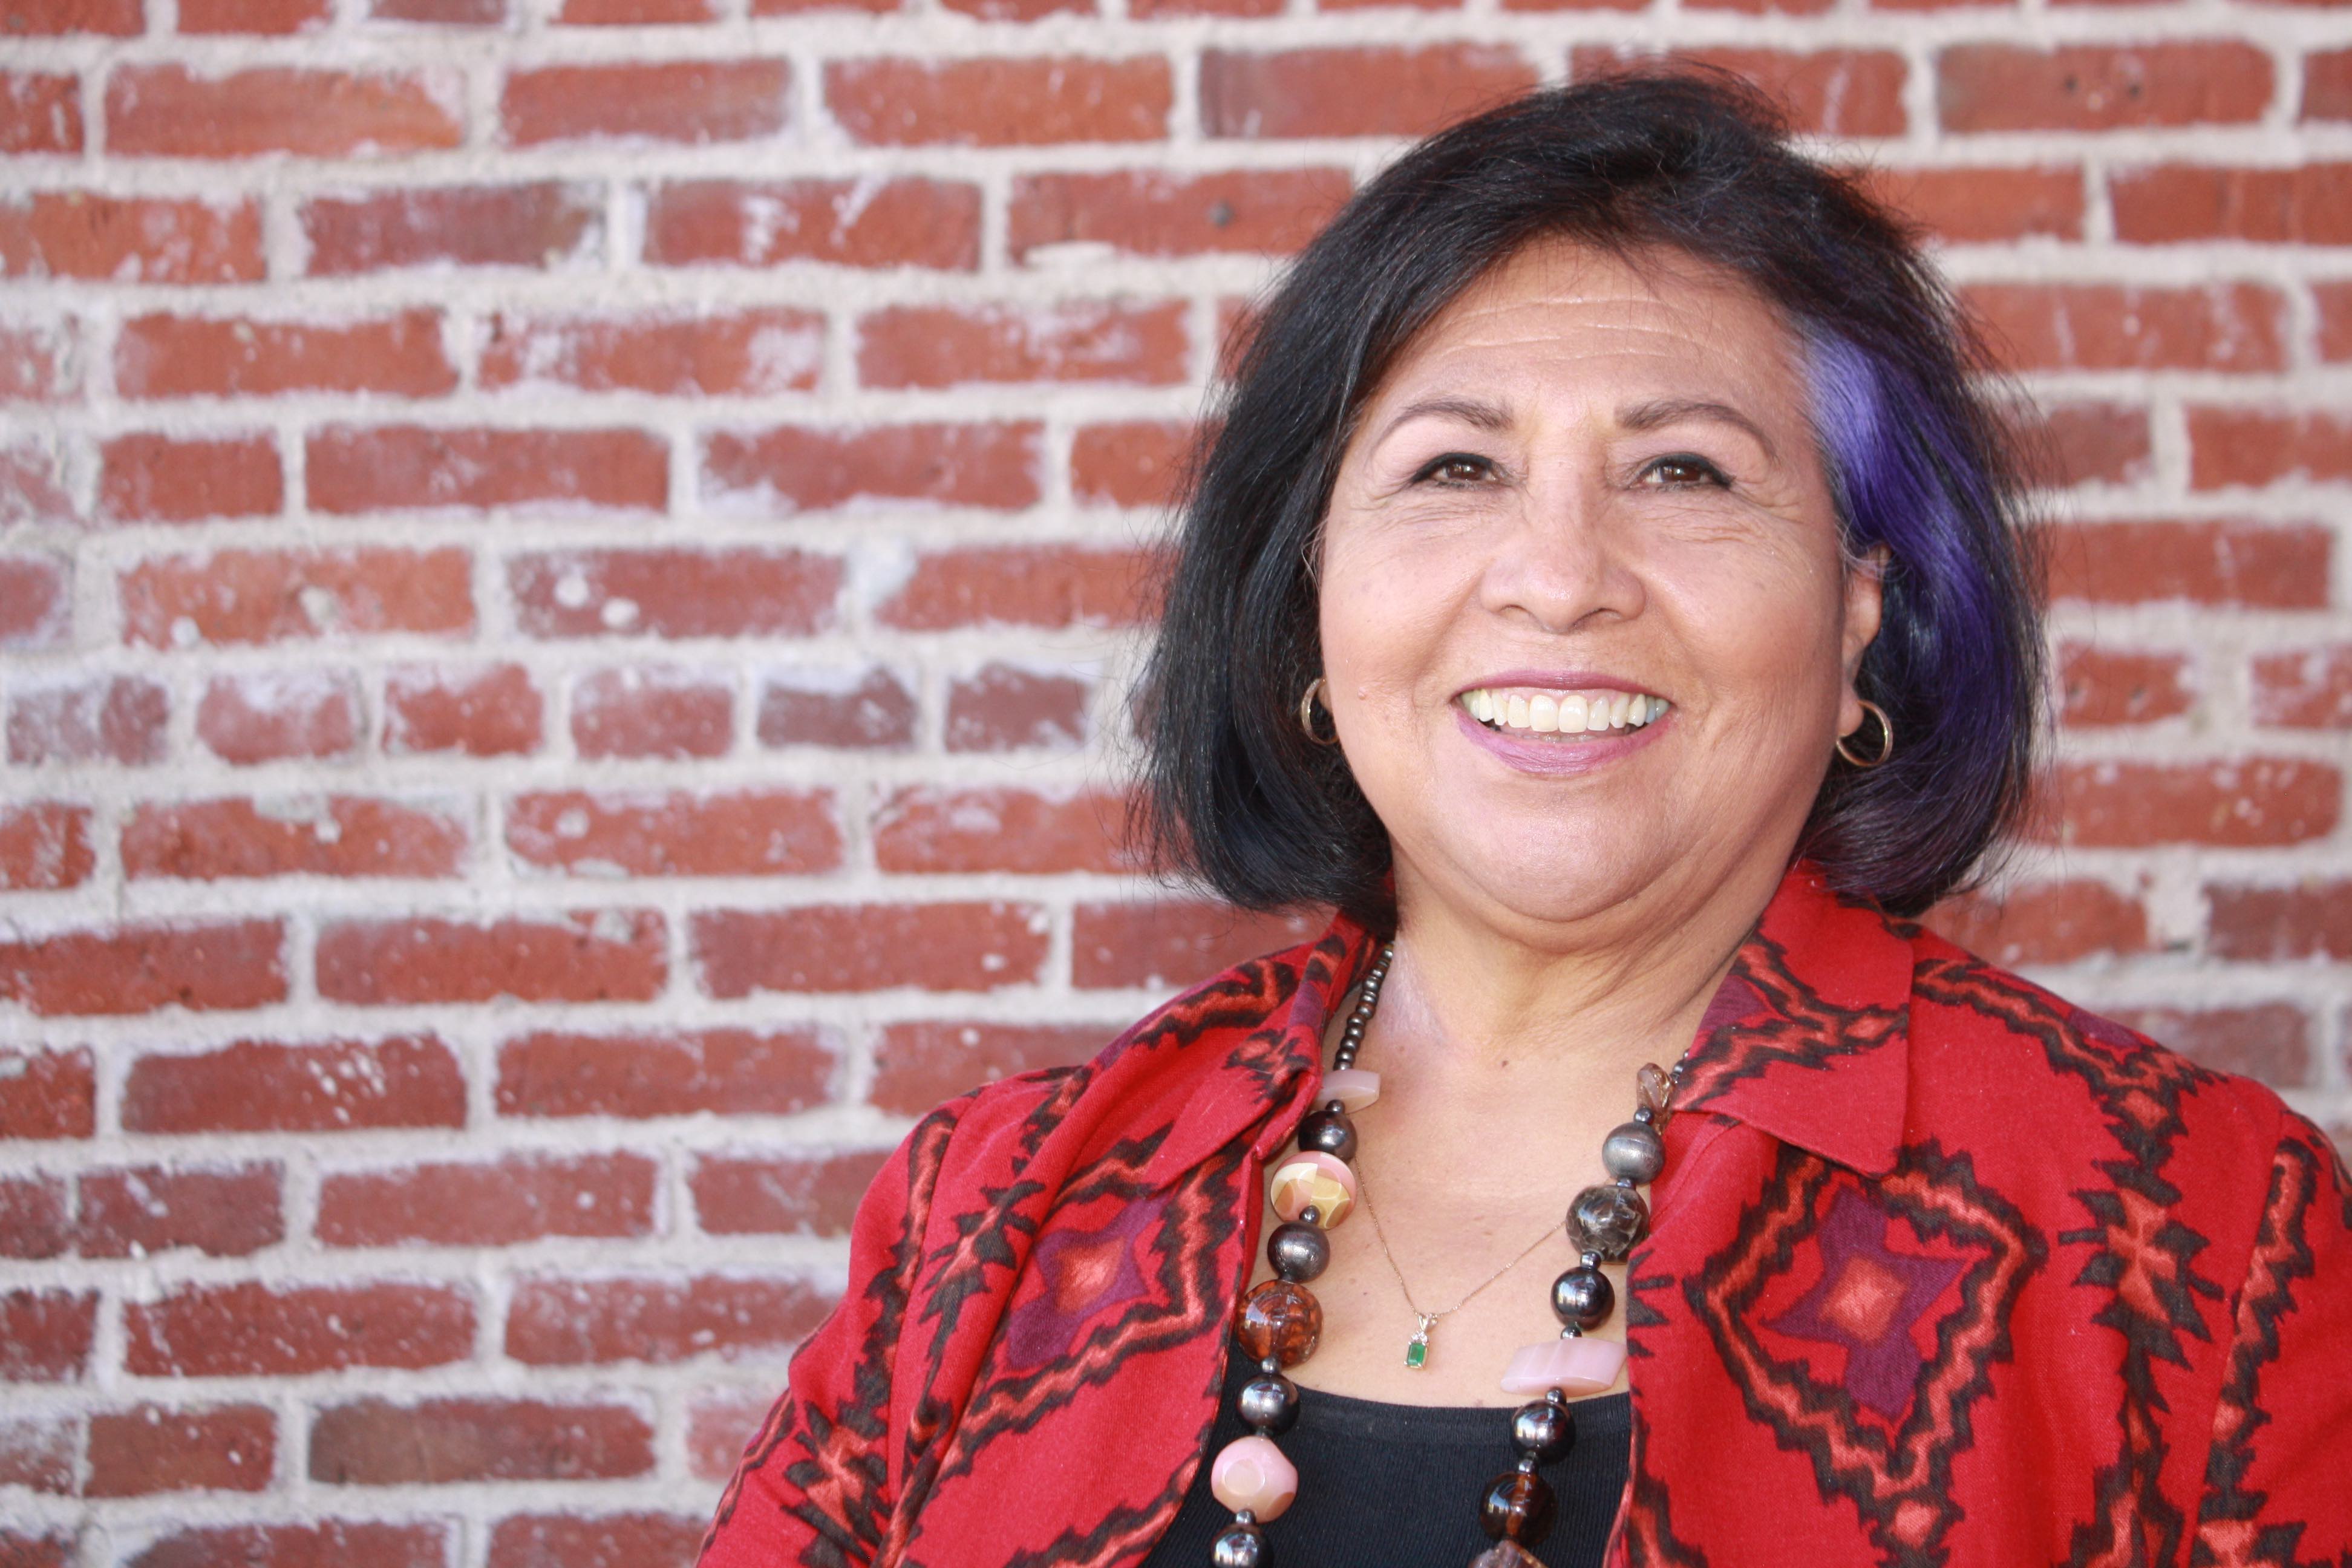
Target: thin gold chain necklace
{"type": "Point", "coordinates": [1416, 1351]}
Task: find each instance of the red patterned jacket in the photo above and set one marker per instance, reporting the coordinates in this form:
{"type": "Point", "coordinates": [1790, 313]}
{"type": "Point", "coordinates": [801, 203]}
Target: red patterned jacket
{"type": "Point", "coordinates": [1944, 1271]}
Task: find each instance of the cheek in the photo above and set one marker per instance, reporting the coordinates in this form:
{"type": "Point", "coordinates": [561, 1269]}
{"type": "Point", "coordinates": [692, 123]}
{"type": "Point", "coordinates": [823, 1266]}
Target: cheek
{"type": "Point", "coordinates": [1762, 622]}
{"type": "Point", "coordinates": [1386, 607]}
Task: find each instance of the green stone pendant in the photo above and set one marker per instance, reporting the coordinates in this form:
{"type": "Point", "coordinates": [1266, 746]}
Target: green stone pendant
{"type": "Point", "coordinates": [1416, 1354]}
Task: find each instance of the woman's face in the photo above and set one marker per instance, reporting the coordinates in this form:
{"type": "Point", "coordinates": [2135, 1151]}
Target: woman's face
{"type": "Point", "coordinates": [1591, 494]}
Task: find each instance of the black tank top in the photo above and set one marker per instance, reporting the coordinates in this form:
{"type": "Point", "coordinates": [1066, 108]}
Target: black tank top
{"type": "Point", "coordinates": [1398, 1485]}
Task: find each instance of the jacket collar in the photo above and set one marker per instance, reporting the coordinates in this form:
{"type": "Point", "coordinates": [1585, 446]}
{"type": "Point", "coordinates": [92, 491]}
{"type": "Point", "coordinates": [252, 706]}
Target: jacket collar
{"type": "Point", "coordinates": [1807, 1037]}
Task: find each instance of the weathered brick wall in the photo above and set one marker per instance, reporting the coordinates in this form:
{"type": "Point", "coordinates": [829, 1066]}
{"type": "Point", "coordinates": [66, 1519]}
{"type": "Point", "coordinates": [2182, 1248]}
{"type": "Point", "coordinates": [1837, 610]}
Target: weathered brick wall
{"type": "Point", "coordinates": [567, 568]}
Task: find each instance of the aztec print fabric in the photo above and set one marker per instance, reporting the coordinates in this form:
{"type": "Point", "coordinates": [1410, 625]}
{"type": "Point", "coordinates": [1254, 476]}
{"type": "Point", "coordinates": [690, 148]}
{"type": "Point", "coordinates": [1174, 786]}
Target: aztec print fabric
{"type": "Point", "coordinates": [1944, 1271]}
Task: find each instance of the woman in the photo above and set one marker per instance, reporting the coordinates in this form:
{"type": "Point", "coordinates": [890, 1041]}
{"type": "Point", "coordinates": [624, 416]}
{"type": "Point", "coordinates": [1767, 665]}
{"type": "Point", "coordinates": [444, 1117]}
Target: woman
{"type": "Point", "coordinates": [1606, 593]}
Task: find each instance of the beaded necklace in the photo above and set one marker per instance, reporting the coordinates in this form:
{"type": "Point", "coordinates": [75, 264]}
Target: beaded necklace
{"type": "Point", "coordinates": [1279, 1323]}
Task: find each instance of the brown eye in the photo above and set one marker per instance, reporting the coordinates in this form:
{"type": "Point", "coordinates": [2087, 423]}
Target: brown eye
{"type": "Point", "coordinates": [1684, 468]}
{"type": "Point", "coordinates": [1456, 469]}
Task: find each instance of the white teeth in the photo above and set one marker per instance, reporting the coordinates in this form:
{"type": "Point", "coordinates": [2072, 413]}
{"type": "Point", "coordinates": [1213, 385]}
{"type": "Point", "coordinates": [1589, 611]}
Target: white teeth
{"type": "Point", "coordinates": [1482, 706]}
{"type": "Point", "coordinates": [1515, 715]}
{"type": "Point", "coordinates": [1571, 713]}
{"type": "Point", "coordinates": [1542, 713]}
{"type": "Point", "coordinates": [1619, 708]}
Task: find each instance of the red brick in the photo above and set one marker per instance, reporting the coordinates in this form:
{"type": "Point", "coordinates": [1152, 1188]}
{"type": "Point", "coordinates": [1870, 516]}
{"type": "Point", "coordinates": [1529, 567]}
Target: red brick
{"type": "Point", "coordinates": [788, 1195]}
{"type": "Point", "coordinates": [194, 356]}
{"type": "Point", "coordinates": [923, 829]}
{"type": "Point", "coordinates": [119, 719]}
{"type": "Point", "coordinates": [999, 103]}
{"type": "Point", "coordinates": [141, 966]}
{"type": "Point", "coordinates": [322, 1085]}
{"type": "Point", "coordinates": [595, 1541]}
{"type": "Point", "coordinates": [634, 13]}
{"type": "Point", "coordinates": [847, 223]}
{"type": "Point", "coordinates": [40, 362]}
{"type": "Point", "coordinates": [1174, 943]}
{"type": "Point", "coordinates": [376, 1443]}
{"type": "Point", "coordinates": [236, 596]}
{"type": "Point", "coordinates": [47, 1093]}
{"type": "Point", "coordinates": [168, 110]}
{"type": "Point", "coordinates": [572, 1322]}
{"type": "Point", "coordinates": [2270, 1041]}
{"type": "Point", "coordinates": [2260, 446]}
{"type": "Point", "coordinates": [253, 1329]}
{"type": "Point", "coordinates": [32, 1224]}
{"type": "Point", "coordinates": [45, 1335]}
{"type": "Point", "coordinates": [38, 18]}
{"type": "Point", "coordinates": [38, 1453]}
{"type": "Point", "coordinates": [151, 1449]}
{"type": "Point", "coordinates": [652, 712]}
{"type": "Point", "coordinates": [50, 1548]}
{"type": "Point", "coordinates": [2309, 204]}
{"type": "Point", "coordinates": [44, 845]}
{"type": "Point", "coordinates": [2091, 443]}
{"type": "Point", "coordinates": [483, 710]}
{"type": "Point", "coordinates": [1003, 708]}
{"type": "Point", "coordinates": [542, 225]}
{"type": "Point", "coordinates": [1151, 212]}
{"type": "Point", "coordinates": [791, 468]}
{"type": "Point", "coordinates": [520, 1198]}
{"type": "Point", "coordinates": [724, 1071]}
{"type": "Point", "coordinates": [339, 836]}
{"type": "Point", "coordinates": [33, 481]}
{"type": "Point", "coordinates": [866, 708]}
{"type": "Point", "coordinates": [919, 1064]}
{"type": "Point", "coordinates": [1137, 462]}
{"type": "Point", "coordinates": [352, 1543]}
{"type": "Point", "coordinates": [2304, 920]}
{"type": "Point", "coordinates": [2097, 87]}
{"type": "Point", "coordinates": [691, 102]}
{"type": "Point", "coordinates": [131, 239]}
{"type": "Point", "coordinates": [745, 591]}
{"type": "Point", "coordinates": [1375, 91]}
{"type": "Point", "coordinates": [2245, 802]}
{"type": "Point", "coordinates": [146, 1209]}
{"type": "Point", "coordinates": [2304, 689]}
{"type": "Point", "coordinates": [35, 601]}
{"type": "Point", "coordinates": [2103, 686]}
{"type": "Point", "coordinates": [713, 353]}
{"type": "Point", "coordinates": [868, 947]}
{"type": "Point", "coordinates": [676, 833]}
{"type": "Point", "coordinates": [586, 955]}
{"type": "Point", "coordinates": [1831, 93]}
{"type": "Point", "coordinates": [149, 476]}
{"type": "Point", "coordinates": [1764, 7]}
{"type": "Point", "coordinates": [269, 716]}
{"type": "Point", "coordinates": [1073, 341]}
{"type": "Point", "coordinates": [2247, 566]}
{"type": "Point", "coordinates": [2111, 326]}
{"type": "Point", "coordinates": [2334, 302]}
{"type": "Point", "coordinates": [720, 1423]}
{"type": "Point", "coordinates": [407, 468]}
{"type": "Point", "coordinates": [2327, 85]}
{"type": "Point", "coordinates": [40, 111]}
{"type": "Point", "coordinates": [440, 13]}
{"type": "Point", "coordinates": [265, 17]}
{"type": "Point", "coordinates": [1047, 585]}
{"type": "Point", "coordinates": [1980, 206]}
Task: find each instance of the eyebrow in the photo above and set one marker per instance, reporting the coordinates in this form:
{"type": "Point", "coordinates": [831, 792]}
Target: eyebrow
{"type": "Point", "coordinates": [1671, 410]}
{"type": "Point", "coordinates": [1488, 417]}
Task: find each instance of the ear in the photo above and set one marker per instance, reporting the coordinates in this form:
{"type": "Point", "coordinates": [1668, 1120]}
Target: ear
{"type": "Point", "coordinates": [1865, 602]}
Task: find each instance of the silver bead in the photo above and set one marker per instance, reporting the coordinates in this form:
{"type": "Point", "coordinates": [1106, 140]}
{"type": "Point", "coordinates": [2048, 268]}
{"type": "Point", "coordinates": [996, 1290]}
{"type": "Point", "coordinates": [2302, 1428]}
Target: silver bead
{"type": "Point", "coordinates": [1268, 1405]}
{"type": "Point", "coordinates": [1298, 1251]}
{"type": "Point", "coordinates": [1239, 1545]}
{"type": "Point", "coordinates": [1633, 1153]}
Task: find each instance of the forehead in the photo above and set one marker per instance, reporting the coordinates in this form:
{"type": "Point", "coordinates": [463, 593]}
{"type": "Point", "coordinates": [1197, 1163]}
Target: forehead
{"type": "Point", "coordinates": [1644, 322]}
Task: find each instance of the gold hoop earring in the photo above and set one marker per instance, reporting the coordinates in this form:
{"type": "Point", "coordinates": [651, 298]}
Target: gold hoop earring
{"type": "Point", "coordinates": [1306, 713]}
{"type": "Point", "coordinates": [1885, 737]}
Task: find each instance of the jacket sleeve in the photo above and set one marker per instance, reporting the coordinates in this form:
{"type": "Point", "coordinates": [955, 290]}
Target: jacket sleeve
{"type": "Point", "coordinates": [2274, 1477]}
{"type": "Point", "coordinates": [815, 1486]}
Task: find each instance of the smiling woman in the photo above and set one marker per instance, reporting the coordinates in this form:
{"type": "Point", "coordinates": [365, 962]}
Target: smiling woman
{"type": "Point", "coordinates": [1607, 591]}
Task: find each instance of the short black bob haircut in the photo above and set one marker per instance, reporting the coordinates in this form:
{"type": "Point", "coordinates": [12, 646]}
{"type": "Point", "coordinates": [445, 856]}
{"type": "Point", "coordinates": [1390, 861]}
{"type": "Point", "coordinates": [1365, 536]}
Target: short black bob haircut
{"type": "Point", "coordinates": [1918, 458]}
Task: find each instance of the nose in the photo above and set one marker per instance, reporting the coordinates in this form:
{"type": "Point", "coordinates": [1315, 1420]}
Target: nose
{"type": "Point", "coordinates": [1562, 563]}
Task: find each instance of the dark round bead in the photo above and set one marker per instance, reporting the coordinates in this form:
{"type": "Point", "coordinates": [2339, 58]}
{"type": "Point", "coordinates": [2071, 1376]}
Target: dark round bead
{"type": "Point", "coordinates": [1298, 1250]}
{"type": "Point", "coordinates": [1329, 1130]}
{"type": "Point", "coordinates": [1239, 1545]}
{"type": "Point", "coordinates": [1607, 1220]}
{"type": "Point", "coordinates": [1633, 1153]}
{"type": "Point", "coordinates": [1518, 1507]}
{"type": "Point", "coordinates": [1543, 1431]}
{"type": "Point", "coordinates": [1583, 1297]}
{"type": "Point", "coordinates": [1281, 1321]}
{"type": "Point", "coordinates": [1269, 1404]}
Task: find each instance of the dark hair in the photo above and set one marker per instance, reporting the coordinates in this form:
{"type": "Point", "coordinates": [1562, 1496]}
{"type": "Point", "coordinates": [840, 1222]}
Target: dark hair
{"type": "Point", "coordinates": [1917, 458]}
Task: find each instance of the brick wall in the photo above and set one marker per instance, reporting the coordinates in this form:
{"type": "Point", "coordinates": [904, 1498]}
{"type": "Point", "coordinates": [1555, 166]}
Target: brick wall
{"type": "Point", "coordinates": [567, 568]}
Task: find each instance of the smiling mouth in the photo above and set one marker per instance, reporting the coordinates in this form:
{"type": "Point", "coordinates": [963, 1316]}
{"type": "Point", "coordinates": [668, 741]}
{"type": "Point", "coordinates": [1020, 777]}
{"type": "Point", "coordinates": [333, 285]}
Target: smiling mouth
{"type": "Point", "coordinates": [1561, 716]}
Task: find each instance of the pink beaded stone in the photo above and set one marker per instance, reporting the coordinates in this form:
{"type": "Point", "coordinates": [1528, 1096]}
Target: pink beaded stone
{"type": "Point", "coordinates": [1576, 1364]}
{"type": "Point", "coordinates": [1313, 1177]}
{"type": "Point", "coordinates": [1251, 1473]}
{"type": "Point", "coordinates": [1353, 1088]}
